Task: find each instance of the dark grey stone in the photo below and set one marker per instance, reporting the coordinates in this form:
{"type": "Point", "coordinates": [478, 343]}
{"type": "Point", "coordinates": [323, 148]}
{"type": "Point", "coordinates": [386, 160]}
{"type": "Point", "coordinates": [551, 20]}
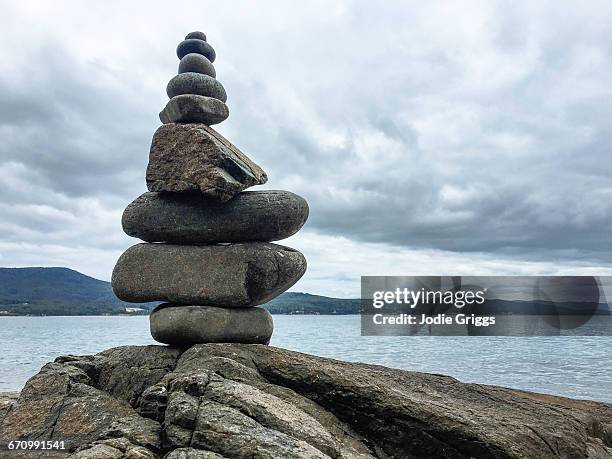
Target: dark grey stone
{"type": "Point", "coordinates": [197, 35]}
{"type": "Point", "coordinates": [191, 108]}
{"type": "Point", "coordinates": [232, 275]}
{"type": "Point", "coordinates": [191, 218]}
{"type": "Point", "coordinates": [194, 45]}
{"type": "Point", "coordinates": [196, 83]}
{"type": "Point", "coordinates": [196, 63]}
{"type": "Point", "coordinates": [186, 325]}
{"type": "Point", "coordinates": [194, 157]}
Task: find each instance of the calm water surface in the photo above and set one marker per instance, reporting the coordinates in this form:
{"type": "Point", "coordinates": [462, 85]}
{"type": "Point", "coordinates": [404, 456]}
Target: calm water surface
{"type": "Point", "coordinates": [577, 367]}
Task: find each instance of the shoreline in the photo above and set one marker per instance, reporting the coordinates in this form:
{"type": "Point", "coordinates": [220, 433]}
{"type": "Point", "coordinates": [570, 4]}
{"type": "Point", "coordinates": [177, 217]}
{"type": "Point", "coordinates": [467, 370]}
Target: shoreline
{"type": "Point", "coordinates": [231, 398]}
{"type": "Point", "coordinates": [8, 395]}
{"type": "Point", "coordinates": [510, 362]}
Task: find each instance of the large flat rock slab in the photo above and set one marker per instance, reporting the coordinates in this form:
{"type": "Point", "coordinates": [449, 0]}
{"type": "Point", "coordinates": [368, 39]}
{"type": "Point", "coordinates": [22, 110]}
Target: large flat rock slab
{"type": "Point", "coordinates": [196, 158]}
{"type": "Point", "coordinates": [192, 218]}
{"type": "Point", "coordinates": [186, 325]}
{"type": "Point", "coordinates": [232, 275]}
{"type": "Point", "coordinates": [253, 401]}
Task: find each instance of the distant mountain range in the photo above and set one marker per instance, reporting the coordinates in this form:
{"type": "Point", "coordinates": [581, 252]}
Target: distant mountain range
{"type": "Point", "coordinates": [63, 291]}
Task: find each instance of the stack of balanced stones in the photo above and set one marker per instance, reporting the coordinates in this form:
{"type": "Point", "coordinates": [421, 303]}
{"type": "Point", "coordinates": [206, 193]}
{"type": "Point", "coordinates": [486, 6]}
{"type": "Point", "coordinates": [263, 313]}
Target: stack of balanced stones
{"type": "Point", "coordinates": [207, 254]}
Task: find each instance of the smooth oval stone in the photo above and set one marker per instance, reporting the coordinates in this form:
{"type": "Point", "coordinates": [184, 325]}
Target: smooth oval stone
{"type": "Point", "coordinates": [196, 83]}
{"type": "Point", "coordinates": [194, 45]}
{"type": "Point", "coordinates": [185, 325]}
{"type": "Point", "coordinates": [197, 35]}
{"type": "Point", "coordinates": [192, 218]}
{"type": "Point", "coordinates": [191, 108]}
{"type": "Point", "coordinates": [198, 64]}
{"type": "Point", "coordinates": [232, 275]}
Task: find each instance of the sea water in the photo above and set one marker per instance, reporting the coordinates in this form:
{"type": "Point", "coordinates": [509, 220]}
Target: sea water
{"type": "Point", "coordinates": [578, 367]}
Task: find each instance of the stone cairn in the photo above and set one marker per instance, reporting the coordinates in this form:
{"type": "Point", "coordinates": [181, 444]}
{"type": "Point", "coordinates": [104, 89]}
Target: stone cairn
{"type": "Point", "coordinates": [207, 251]}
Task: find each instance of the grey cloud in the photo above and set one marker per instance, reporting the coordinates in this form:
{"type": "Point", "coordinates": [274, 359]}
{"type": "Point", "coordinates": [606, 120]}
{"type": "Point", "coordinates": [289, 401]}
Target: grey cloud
{"type": "Point", "coordinates": [518, 163]}
{"type": "Point", "coordinates": [421, 126]}
{"type": "Point", "coordinates": [75, 127]}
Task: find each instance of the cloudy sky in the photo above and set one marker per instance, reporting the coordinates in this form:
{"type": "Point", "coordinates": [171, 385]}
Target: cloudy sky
{"type": "Point", "coordinates": [428, 137]}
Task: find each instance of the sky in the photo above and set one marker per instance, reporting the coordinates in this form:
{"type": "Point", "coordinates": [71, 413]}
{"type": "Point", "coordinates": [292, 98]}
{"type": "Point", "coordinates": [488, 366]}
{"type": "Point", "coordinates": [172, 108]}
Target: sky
{"type": "Point", "coordinates": [429, 138]}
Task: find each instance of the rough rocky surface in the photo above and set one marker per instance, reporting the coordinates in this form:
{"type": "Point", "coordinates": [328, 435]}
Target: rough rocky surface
{"type": "Point", "coordinates": [254, 401]}
{"type": "Point", "coordinates": [186, 325]}
{"type": "Point", "coordinates": [191, 108]}
{"type": "Point", "coordinates": [231, 275]}
{"type": "Point", "coordinates": [196, 63]}
{"type": "Point", "coordinates": [7, 400]}
{"type": "Point", "coordinates": [194, 45]}
{"type": "Point", "coordinates": [191, 218]}
{"type": "Point", "coordinates": [196, 83]}
{"type": "Point", "coordinates": [194, 157]}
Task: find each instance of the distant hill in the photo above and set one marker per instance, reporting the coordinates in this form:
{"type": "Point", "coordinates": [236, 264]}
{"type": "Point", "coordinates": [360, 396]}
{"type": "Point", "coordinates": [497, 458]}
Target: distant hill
{"type": "Point", "coordinates": [304, 303]}
{"type": "Point", "coordinates": [63, 291]}
{"type": "Point", "coordinates": [56, 291]}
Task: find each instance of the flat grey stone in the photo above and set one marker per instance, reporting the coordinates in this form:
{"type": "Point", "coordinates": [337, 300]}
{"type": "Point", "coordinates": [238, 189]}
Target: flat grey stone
{"type": "Point", "coordinates": [196, 83]}
{"type": "Point", "coordinates": [191, 108]}
{"type": "Point", "coordinates": [197, 35]}
{"type": "Point", "coordinates": [191, 218]}
{"type": "Point", "coordinates": [194, 45]}
{"type": "Point", "coordinates": [185, 325]}
{"type": "Point", "coordinates": [232, 275]}
{"type": "Point", "coordinates": [196, 63]}
{"type": "Point", "coordinates": [194, 157]}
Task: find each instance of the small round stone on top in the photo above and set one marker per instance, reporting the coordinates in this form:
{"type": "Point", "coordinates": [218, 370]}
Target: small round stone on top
{"type": "Point", "coordinates": [197, 34]}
